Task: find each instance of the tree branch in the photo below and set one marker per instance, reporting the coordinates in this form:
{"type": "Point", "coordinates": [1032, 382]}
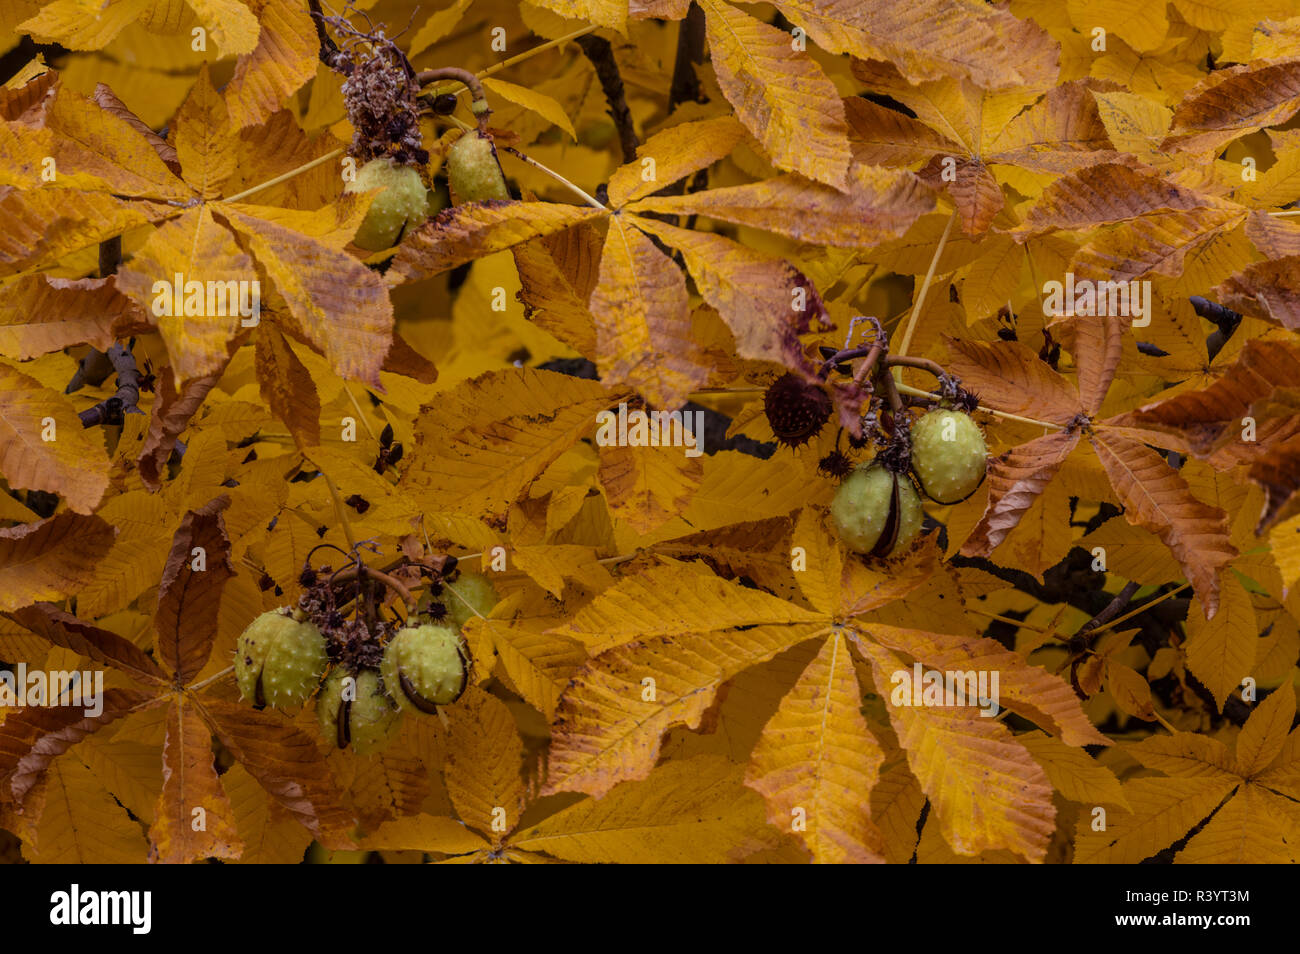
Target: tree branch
{"type": "Point", "coordinates": [601, 54]}
{"type": "Point", "coordinates": [112, 410]}
{"type": "Point", "coordinates": [690, 52]}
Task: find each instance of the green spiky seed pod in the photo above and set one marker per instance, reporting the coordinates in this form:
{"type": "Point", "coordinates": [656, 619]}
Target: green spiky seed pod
{"type": "Point", "coordinates": [474, 170]}
{"type": "Point", "coordinates": [403, 205]}
{"type": "Point", "coordinates": [354, 710]}
{"type": "Point", "coordinates": [949, 456]}
{"type": "Point", "coordinates": [279, 660]}
{"type": "Point", "coordinates": [423, 667]}
{"type": "Point", "coordinates": [877, 512]}
{"type": "Point", "coordinates": [474, 596]}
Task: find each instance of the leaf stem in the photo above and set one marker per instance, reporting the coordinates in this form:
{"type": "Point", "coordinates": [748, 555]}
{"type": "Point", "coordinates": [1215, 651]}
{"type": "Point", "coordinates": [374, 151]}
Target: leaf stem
{"type": "Point", "coordinates": [917, 392]}
{"type": "Point", "coordinates": [288, 175]}
{"type": "Point", "coordinates": [557, 177]}
{"type": "Point", "coordinates": [1141, 609]}
{"type": "Point", "coordinates": [910, 329]}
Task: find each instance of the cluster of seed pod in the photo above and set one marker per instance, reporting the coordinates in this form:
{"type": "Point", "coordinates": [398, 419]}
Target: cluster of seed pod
{"type": "Point", "coordinates": [365, 672]}
{"type": "Point", "coordinates": [877, 509]}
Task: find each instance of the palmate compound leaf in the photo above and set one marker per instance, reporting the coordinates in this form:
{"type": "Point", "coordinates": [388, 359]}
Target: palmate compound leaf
{"type": "Point", "coordinates": [780, 94]}
{"type": "Point", "coordinates": [988, 791]}
{"type": "Point", "coordinates": [1257, 824]}
{"type": "Point", "coordinates": [816, 759]}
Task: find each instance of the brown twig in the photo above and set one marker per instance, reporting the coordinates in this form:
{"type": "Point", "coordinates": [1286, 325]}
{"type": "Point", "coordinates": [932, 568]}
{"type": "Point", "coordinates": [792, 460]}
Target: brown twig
{"type": "Point", "coordinates": [601, 54]}
{"type": "Point", "coordinates": [112, 410]}
{"type": "Point", "coordinates": [1110, 611]}
{"type": "Point", "coordinates": [690, 52]}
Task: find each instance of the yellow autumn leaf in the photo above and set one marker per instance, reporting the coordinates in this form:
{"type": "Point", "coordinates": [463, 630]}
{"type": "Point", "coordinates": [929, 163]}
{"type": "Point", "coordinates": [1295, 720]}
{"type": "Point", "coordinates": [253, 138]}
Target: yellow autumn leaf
{"type": "Point", "coordinates": [816, 760]}
{"type": "Point", "coordinates": [782, 96]}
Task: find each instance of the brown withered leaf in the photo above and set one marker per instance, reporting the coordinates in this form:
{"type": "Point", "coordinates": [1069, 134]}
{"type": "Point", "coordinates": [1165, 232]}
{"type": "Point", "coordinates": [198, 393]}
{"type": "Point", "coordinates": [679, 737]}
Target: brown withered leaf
{"type": "Point", "coordinates": [781, 95]}
{"type": "Point", "coordinates": [971, 187]}
{"type": "Point", "coordinates": [1233, 102]}
{"type": "Point", "coordinates": [1016, 478]}
{"type": "Point", "coordinates": [1008, 376]}
{"type": "Point", "coordinates": [40, 314]}
{"type": "Point", "coordinates": [33, 737]}
{"type": "Point", "coordinates": [1106, 194]}
{"type": "Point", "coordinates": [189, 594]}
{"type": "Point", "coordinates": [285, 762]}
{"type": "Point", "coordinates": [880, 136]}
{"type": "Point", "coordinates": [50, 559]}
{"type": "Point", "coordinates": [1157, 498]}
{"type": "Point", "coordinates": [643, 320]}
{"type": "Point", "coordinates": [1269, 290]}
{"type": "Point", "coordinates": [880, 204]}
{"type": "Point", "coordinates": [287, 386]}
{"type": "Point", "coordinates": [189, 785]}
{"type": "Point", "coordinates": [43, 445]}
{"type": "Point", "coordinates": [404, 360]}
{"type": "Point", "coordinates": [463, 233]}
{"type": "Point", "coordinates": [1278, 472]}
{"type": "Point", "coordinates": [107, 648]}
{"type": "Point", "coordinates": [170, 416]}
